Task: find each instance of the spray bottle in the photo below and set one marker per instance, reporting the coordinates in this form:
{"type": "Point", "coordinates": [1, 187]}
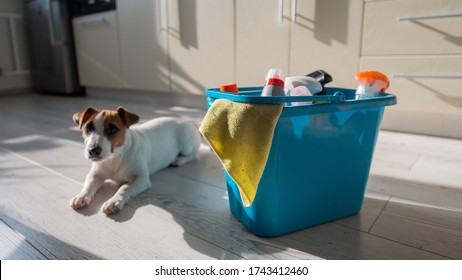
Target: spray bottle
{"type": "Point", "coordinates": [322, 77]}
{"type": "Point", "coordinates": [274, 83]}
{"type": "Point", "coordinates": [370, 84]}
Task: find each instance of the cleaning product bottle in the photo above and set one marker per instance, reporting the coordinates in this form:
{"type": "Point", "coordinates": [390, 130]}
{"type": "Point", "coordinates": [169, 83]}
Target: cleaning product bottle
{"type": "Point", "coordinates": [310, 83]}
{"type": "Point", "coordinates": [302, 86]}
{"type": "Point", "coordinates": [370, 84]}
{"type": "Point", "coordinates": [300, 91]}
{"type": "Point", "coordinates": [322, 77]}
{"type": "Point", "coordinates": [274, 83]}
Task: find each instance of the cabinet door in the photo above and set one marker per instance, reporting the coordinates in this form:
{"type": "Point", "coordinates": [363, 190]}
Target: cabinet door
{"type": "Point", "coordinates": [97, 48]}
{"type": "Point", "coordinates": [262, 39]}
{"type": "Point", "coordinates": [201, 44]}
{"type": "Point", "coordinates": [143, 44]}
{"type": "Point", "coordinates": [327, 35]}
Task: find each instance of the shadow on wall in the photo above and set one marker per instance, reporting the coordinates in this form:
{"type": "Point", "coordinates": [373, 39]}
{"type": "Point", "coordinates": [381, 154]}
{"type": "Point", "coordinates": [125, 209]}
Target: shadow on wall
{"type": "Point", "coordinates": [449, 37]}
{"type": "Point", "coordinates": [327, 12]}
{"type": "Point", "coordinates": [187, 34]}
{"type": "Point", "coordinates": [188, 21]}
{"type": "Point", "coordinates": [454, 101]}
{"type": "Point", "coordinates": [330, 22]}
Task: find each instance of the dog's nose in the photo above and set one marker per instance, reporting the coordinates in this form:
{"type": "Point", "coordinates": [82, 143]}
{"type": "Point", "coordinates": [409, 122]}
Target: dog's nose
{"type": "Point", "coordinates": [96, 151]}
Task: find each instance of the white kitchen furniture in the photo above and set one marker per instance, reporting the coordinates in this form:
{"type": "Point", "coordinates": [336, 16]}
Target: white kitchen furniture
{"type": "Point", "coordinates": [187, 46]}
{"type": "Point", "coordinates": [418, 44]}
{"type": "Point", "coordinates": [97, 50]}
{"type": "Point", "coordinates": [299, 36]}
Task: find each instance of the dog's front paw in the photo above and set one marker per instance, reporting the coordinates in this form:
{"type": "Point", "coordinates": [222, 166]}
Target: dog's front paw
{"type": "Point", "coordinates": [112, 206]}
{"type": "Point", "coordinates": [80, 201]}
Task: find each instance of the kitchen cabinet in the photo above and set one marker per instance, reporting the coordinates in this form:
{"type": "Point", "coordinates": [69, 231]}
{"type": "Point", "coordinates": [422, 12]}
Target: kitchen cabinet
{"type": "Point", "coordinates": [97, 50]}
{"type": "Point", "coordinates": [143, 44]}
{"type": "Point", "coordinates": [158, 45]}
{"type": "Point", "coordinates": [262, 39]}
{"type": "Point", "coordinates": [299, 36]}
{"type": "Point", "coordinates": [326, 35]}
{"type": "Point", "coordinates": [417, 43]}
{"type": "Point", "coordinates": [201, 44]}
{"type": "Point", "coordinates": [14, 56]}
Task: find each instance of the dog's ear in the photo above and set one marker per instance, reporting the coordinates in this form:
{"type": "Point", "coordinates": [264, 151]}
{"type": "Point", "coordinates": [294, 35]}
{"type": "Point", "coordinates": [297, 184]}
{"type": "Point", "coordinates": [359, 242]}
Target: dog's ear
{"type": "Point", "coordinates": [127, 118]}
{"type": "Point", "coordinates": [81, 117]}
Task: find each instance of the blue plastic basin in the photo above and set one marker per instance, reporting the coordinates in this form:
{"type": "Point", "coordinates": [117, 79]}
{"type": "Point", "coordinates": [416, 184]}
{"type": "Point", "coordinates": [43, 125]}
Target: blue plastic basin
{"type": "Point", "coordinates": [318, 165]}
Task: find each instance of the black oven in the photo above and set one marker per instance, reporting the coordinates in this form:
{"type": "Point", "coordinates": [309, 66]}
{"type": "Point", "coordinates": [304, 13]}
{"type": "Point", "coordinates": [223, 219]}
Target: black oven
{"type": "Point", "coordinates": [86, 7]}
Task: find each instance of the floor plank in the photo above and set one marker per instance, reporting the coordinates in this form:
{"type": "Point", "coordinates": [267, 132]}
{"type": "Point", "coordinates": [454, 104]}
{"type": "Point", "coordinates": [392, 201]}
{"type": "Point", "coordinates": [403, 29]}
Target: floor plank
{"type": "Point", "coordinates": [14, 246]}
{"type": "Point", "coordinates": [333, 241]}
{"type": "Point", "coordinates": [422, 226]}
{"type": "Point", "coordinates": [372, 208]}
{"type": "Point", "coordinates": [426, 159]}
{"type": "Point", "coordinates": [440, 195]}
{"type": "Point", "coordinates": [417, 167]}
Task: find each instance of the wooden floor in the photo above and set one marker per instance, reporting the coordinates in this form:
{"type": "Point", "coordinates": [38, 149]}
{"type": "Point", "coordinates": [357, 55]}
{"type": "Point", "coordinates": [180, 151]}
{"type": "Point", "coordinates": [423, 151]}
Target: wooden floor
{"type": "Point", "coordinates": [412, 209]}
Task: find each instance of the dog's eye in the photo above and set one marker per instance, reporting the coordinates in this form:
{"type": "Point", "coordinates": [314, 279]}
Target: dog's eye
{"type": "Point", "coordinates": [89, 128]}
{"type": "Point", "coordinates": [111, 130]}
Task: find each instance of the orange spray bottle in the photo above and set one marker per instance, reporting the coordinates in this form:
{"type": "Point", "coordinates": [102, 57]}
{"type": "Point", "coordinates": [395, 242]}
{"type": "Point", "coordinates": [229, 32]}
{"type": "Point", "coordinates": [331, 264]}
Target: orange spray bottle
{"type": "Point", "coordinates": [370, 84]}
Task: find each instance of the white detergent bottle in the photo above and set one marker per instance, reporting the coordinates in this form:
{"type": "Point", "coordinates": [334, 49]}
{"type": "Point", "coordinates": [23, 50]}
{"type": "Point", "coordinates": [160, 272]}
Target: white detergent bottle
{"type": "Point", "coordinates": [310, 83]}
{"type": "Point", "coordinates": [301, 91]}
{"type": "Point", "coordinates": [303, 86]}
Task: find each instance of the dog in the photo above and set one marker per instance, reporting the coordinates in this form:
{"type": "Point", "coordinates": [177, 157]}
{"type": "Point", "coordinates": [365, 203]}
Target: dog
{"type": "Point", "coordinates": [128, 153]}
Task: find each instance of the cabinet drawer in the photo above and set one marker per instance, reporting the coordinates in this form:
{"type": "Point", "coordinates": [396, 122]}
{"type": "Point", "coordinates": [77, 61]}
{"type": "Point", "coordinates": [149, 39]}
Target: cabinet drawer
{"type": "Point", "coordinates": [423, 83]}
{"type": "Point", "coordinates": [429, 93]}
{"type": "Point", "coordinates": [97, 48]}
{"type": "Point", "coordinates": [413, 27]}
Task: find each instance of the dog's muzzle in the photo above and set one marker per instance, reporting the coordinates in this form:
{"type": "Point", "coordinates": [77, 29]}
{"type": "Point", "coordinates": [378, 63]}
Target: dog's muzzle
{"type": "Point", "coordinates": [95, 153]}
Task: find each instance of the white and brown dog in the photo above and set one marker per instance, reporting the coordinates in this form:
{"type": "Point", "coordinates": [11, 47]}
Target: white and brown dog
{"type": "Point", "coordinates": [129, 154]}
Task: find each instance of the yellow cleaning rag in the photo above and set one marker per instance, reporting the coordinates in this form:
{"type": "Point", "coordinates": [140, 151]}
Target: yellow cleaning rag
{"type": "Point", "coordinates": [241, 135]}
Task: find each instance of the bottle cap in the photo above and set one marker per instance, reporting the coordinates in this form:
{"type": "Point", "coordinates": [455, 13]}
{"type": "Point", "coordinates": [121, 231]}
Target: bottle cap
{"type": "Point", "coordinates": [232, 87]}
{"type": "Point", "coordinates": [321, 76]}
{"type": "Point", "coordinates": [275, 76]}
{"type": "Point", "coordinates": [275, 81]}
